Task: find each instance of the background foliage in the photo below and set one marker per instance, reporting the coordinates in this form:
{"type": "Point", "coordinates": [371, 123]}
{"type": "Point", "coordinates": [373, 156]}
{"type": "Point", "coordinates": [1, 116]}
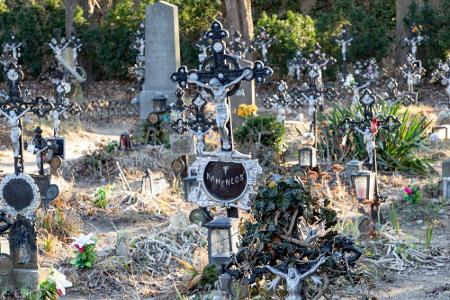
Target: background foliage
{"type": "Point", "coordinates": [108, 34]}
{"type": "Point", "coordinates": [435, 23]}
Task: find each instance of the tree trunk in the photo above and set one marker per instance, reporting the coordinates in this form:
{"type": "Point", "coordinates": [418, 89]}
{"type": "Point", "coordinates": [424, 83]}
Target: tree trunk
{"type": "Point", "coordinates": [136, 5]}
{"type": "Point", "coordinates": [69, 9]}
{"type": "Point", "coordinates": [239, 17]}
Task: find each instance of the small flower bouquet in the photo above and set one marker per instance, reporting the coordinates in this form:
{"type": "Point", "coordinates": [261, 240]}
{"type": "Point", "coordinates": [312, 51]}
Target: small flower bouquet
{"type": "Point", "coordinates": [412, 194]}
{"type": "Point", "coordinates": [245, 110]}
{"type": "Point", "coordinates": [85, 251]}
{"type": "Point", "coordinates": [54, 286]}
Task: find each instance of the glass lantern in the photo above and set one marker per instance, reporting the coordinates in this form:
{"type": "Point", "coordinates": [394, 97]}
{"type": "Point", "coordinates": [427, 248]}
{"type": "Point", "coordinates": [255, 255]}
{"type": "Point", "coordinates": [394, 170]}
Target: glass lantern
{"type": "Point", "coordinates": [159, 103]}
{"type": "Point", "coordinates": [222, 239]}
{"type": "Point", "coordinates": [442, 131]}
{"type": "Point", "coordinates": [307, 157]}
{"type": "Point", "coordinates": [364, 185]}
{"type": "Point", "coordinates": [446, 187]}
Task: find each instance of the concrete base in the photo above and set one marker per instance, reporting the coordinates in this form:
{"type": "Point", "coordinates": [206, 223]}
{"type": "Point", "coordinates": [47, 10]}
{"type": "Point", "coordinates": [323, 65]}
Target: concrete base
{"type": "Point", "coordinates": [24, 278]}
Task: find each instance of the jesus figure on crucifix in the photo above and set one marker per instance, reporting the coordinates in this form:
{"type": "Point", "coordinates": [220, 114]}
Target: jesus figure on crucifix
{"type": "Point", "coordinates": [219, 92]}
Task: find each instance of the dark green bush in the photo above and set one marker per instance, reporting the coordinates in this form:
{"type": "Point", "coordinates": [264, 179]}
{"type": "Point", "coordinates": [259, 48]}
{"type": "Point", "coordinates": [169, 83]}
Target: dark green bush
{"type": "Point", "coordinates": [265, 129]}
{"type": "Point", "coordinates": [435, 24]}
{"type": "Point", "coordinates": [397, 151]}
{"type": "Point", "coordinates": [373, 25]}
{"type": "Point", "coordinates": [106, 50]}
{"type": "Point", "coordinates": [293, 32]}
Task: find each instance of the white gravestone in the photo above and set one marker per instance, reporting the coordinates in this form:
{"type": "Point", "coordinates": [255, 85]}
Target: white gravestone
{"type": "Point", "coordinates": [162, 54]}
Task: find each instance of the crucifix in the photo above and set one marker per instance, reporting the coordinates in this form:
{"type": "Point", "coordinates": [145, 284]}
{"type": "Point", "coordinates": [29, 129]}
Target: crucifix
{"type": "Point", "coordinates": [366, 71]}
{"type": "Point", "coordinates": [282, 100]}
{"type": "Point", "coordinates": [239, 46]}
{"type": "Point", "coordinates": [62, 104]}
{"type": "Point", "coordinates": [414, 39]}
{"type": "Point", "coordinates": [13, 106]}
{"type": "Point", "coordinates": [392, 95]}
{"type": "Point", "coordinates": [442, 73]}
{"type": "Point", "coordinates": [66, 53]}
{"type": "Point", "coordinates": [295, 65]}
{"type": "Point", "coordinates": [313, 98]}
{"type": "Point", "coordinates": [11, 50]}
{"type": "Point", "coordinates": [220, 76]}
{"type": "Point", "coordinates": [263, 41]}
{"type": "Point", "coordinates": [316, 63]}
{"type": "Point", "coordinates": [412, 71]}
{"type": "Point", "coordinates": [224, 177]}
{"type": "Point", "coordinates": [368, 126]}
{"type": "Point", "coordinates": [344, 40]}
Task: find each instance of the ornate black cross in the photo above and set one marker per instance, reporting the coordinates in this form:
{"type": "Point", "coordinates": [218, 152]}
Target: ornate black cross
{"type": "Point", "coordinates": [344, 39]}
{"type": "Point", "coordinates": [392, 95]}
{"type": "Point", "coordinates": [220, 75]}
{"type": "Point", "coordinates": [282, 99]}
{"type": "Point", "coordinates": [14, 104]}
{"type": "Point", "coordinates": [316, 62]}
{"type": "Point", "coordinates": [370, 121]}
{"type": "Point", "coordinates": [442, 73]}
{"type": "Point", "coordinates": [412, 71]}
{"type": "Point", "coordinates": [295, 65]}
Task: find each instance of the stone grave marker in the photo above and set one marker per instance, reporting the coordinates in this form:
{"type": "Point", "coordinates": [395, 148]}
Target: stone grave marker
{"type": "Point", "coordinates": [162, 54]}
{"type": "Point", "coordinates": [247, 97]}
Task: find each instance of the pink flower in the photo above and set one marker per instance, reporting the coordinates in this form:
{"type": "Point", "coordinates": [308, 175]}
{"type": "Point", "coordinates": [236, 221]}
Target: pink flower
{"type": "Point", "coordinates": [408, 190]}
{"type": "Point", "coordinates": [60, 293]}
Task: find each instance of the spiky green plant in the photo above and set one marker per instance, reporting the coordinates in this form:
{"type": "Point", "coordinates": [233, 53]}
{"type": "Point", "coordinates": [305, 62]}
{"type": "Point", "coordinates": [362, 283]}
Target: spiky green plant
{"type": "Point", "coordinates": [429, 234]}
{"type": "Point", "coordinates": [396, 151]}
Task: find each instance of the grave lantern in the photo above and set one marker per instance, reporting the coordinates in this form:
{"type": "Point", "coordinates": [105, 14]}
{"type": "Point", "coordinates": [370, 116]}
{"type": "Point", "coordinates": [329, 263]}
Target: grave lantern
{"type": "Point", "coordinates": [446, 187]}
{"type": "Point", "coordinates": [442, 131]}
{"type": "Point", "coordinates": [222, 239]}
{"type": "Point", "coordinates": [159, 103]}
{"type": "Point", "coordinates": [364, 185]}
{"type": "Point", "coordinates": [307, 157]}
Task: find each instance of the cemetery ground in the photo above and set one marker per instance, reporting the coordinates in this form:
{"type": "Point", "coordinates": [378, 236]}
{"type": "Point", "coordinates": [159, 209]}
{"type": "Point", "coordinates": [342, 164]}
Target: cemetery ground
{"type": "Point", "coordinates": [147, 249]}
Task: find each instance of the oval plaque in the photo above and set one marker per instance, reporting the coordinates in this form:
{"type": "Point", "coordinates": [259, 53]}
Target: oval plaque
{"type": "Point", "coordinates": [18, 193]}
{"type": "Point", "coordinates": [225, 181]}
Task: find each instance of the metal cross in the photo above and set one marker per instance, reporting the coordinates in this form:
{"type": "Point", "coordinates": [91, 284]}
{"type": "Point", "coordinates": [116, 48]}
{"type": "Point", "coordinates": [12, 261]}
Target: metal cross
{"type": "Point", "coordinates": [281, 100]}
{"type": "Point", "coordinates": [414, 39]}
{"type": "Point", "coordinates": [442, 73]}
{"type": "Point", "coordinates": [412, 71]}
{"type": "Point", "coordinates": [344, 40]}
{"type": "Point", "coordinates": [366, 71]}
{"type": "Point", "coordinates": [220, 75]}
{"type": "Point", "coordinates": [198, 122]}
{"type": "Point", "coordinates": [11, 51]}
{"type": "Point", "coordinates": [238, 46]}
{"type": "Point", "coordinates": [13, 106]}
{"type": "Point", "coordinates": [313, 98]}
{"type": "Point", "coordinates": [392, 95]}
{"type": "Point", "coordinates": [317, 62]}
{"type": "Point", "coordinates": [369, 123]}
{"type": "Point", "coordinates": [263, 41]}
{"type": "Point", "coordinates": [295, 65]}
